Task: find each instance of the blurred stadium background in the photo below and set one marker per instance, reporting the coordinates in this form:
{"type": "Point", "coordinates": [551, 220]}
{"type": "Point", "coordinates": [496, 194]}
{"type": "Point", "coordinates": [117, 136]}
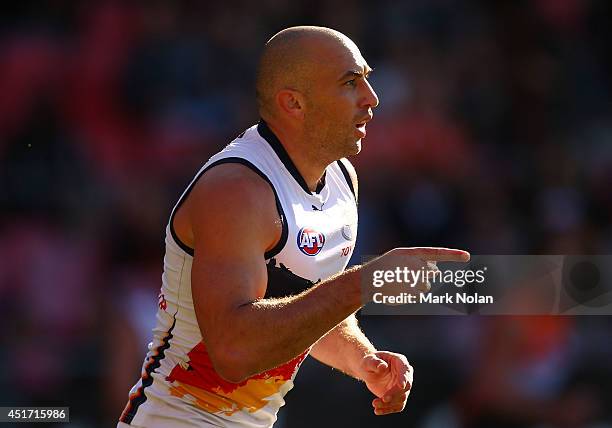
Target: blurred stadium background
{"type": "Point", "coordinates": [494, 134]}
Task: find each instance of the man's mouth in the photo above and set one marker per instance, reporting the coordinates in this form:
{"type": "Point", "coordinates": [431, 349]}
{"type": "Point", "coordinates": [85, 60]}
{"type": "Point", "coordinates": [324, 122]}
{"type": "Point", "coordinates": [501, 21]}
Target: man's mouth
{"type": "Point", "coordinates": [360, 130]}
{"type": "Point", "coordinates": [361, 126]}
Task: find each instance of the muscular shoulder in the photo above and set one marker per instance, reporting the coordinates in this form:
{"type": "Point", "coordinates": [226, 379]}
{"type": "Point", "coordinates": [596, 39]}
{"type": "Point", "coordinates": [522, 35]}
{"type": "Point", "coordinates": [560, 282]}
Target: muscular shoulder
{"type": "Point", "coordinates": [352, 174]}
{"type": "Point", "coordinates": [233, 203]}
{"type": "Point", "coordinates": [233, 182]}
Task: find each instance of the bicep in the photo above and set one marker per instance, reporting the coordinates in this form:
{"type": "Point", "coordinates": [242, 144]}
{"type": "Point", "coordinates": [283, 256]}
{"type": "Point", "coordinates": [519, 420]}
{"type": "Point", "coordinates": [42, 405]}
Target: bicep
{"type": "Point", "coordinates": [232, 219]}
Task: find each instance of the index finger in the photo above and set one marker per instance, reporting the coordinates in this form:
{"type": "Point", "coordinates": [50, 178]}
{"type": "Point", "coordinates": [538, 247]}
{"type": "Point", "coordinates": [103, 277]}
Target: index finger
{"type": "Point", "coordinates": [437, 254]}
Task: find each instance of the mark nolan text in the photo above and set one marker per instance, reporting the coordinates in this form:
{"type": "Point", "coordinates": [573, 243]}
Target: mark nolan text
{"type": "Point", "coordinates": [445, 299]}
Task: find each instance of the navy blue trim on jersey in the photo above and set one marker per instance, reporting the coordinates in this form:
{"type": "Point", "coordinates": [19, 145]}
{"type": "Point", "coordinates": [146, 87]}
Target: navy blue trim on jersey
{"type": "Point", "coordinates": [282, 282]}
{"type": "Point", "coordinates": [153, 364]}
{"type": "Point", "coordinates": [347, 177]}
{"type": "Point", "coordinates": [285, 232]}
{"type": "Point", "coordinates": [267, 134]}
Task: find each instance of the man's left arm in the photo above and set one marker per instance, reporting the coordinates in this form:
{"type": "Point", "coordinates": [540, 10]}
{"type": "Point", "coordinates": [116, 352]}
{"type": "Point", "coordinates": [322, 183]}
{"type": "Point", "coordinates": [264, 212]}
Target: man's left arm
{"type": "Point", "coordinates": [386, 374]}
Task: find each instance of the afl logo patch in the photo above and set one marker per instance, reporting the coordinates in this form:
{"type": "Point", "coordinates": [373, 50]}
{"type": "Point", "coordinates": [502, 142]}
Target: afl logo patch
{"type": "Point", "coordinates": [310, 242]}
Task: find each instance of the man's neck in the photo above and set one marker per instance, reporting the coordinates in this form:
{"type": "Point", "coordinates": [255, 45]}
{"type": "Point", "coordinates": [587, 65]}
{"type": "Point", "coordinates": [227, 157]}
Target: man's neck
{"type": "Point", "coordinates": [307, 163]}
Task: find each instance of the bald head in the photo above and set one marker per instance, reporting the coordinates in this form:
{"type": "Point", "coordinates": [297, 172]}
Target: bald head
{"type": "Point", "coordinates": [290, 59]}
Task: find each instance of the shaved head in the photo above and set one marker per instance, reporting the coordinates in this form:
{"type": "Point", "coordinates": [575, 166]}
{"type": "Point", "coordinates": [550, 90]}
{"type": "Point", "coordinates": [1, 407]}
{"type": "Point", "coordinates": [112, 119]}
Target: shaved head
{"type": "Point", "coordinates": [290, 59]}
{"type": "Point", "coordinates": [314, 94]}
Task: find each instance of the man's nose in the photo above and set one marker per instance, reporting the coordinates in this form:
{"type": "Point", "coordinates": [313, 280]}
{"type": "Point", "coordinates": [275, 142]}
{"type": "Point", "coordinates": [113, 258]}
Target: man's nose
{"type": "Point", "coordinates": [370, 99]}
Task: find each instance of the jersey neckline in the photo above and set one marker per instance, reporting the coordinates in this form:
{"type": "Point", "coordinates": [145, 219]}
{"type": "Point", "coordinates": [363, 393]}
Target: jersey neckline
{"type": "Point", "coordinates": [266, 133]}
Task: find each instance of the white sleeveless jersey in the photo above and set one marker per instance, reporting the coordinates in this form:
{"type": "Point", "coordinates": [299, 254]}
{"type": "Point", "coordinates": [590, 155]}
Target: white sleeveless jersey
{"type": "Point", "coordinates": [179, 386]}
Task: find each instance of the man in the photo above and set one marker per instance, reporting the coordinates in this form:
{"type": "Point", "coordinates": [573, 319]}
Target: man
{"type": "Point", "coordinates": [255, 248]}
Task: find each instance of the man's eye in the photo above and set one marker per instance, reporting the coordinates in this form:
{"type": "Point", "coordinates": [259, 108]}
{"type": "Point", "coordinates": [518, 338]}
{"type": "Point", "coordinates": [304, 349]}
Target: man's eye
{"type": "Point", "coordinates": [351, 82]}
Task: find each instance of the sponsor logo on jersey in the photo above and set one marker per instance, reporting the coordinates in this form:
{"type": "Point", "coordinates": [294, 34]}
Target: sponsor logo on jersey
{"type": "Point", "coordinates": [310, 242]}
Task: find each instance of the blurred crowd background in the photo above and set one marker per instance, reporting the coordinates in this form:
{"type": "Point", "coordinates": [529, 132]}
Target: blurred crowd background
{"type": "Point", "coordinates": [494, 134]}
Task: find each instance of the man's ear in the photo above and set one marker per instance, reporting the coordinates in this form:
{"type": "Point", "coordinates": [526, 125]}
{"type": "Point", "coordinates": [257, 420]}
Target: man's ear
{"type": "Point", "coordinates": [291, 103]}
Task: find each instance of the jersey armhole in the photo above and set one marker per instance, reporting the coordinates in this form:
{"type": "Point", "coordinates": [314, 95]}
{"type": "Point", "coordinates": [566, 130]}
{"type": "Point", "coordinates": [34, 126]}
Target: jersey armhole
{"type": "Point", "coordinates": [285, 232]}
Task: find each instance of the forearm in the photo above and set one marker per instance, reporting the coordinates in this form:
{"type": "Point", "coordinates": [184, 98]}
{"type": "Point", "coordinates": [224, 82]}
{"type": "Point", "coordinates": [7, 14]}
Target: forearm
{"type": "Point", "coordinates": [252, 335]}
{"type": "Point", "coordinates": [343, 347]}
{"type": "Point", "coordinates": [263, 334]}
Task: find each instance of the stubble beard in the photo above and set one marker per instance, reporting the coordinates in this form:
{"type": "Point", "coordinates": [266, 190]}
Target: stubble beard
{"type": "Point", "coordinates": [349, 146]}
{"type": "Point", "coordinates": [332, 141]}
{"type": "Point", "coordinates": [357, 148]}
{"type": "Point", "coordinates": [333, 144]}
